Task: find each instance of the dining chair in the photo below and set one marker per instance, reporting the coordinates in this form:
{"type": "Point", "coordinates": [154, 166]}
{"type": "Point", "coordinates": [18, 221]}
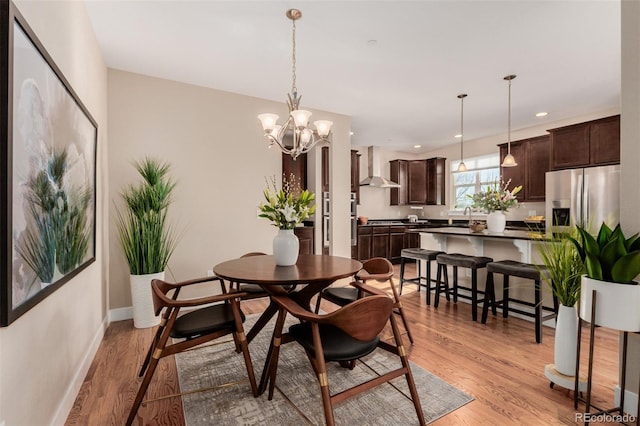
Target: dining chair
{"type": "Point", "coordinates": [221, 316]}
{"type": "Point", "coordinates": [344, 335]}
{"type": "Point", "coordinates": [377, 268]}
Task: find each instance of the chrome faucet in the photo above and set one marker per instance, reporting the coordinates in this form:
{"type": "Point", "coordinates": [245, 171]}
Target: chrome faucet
{"type": "Point", "coordinates": [465, 212]}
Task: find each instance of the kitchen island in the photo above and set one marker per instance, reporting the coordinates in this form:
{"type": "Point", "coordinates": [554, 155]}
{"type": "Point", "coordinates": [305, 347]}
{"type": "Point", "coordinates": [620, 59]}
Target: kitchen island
{"type": "Point", "coordinates": [517, 245]}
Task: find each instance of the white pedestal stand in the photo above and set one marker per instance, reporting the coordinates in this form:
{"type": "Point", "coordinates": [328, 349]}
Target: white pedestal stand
{"type": "Point", "coordinates": [567, 382]}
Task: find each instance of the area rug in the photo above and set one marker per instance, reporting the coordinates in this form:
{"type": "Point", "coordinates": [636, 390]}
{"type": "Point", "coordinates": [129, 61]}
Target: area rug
{"type": "Point", "coordinates": [297, 398]}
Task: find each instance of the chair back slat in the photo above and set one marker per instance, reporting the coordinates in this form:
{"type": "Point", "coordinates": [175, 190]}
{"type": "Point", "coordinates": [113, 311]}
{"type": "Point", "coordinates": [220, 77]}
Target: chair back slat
{"type": "Point", "coordinates": [379, 268]}
{"type": "Point", "coordinates": [159, 290]}
{"type": "Point", "coordinates": [363, 319]}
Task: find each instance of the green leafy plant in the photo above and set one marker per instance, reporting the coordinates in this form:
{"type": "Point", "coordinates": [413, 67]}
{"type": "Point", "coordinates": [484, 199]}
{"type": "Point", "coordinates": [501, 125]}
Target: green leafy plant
{"type": "Point", "coordinates": [609, 256]}
{"type": "Point", "coordinates": [146, 236]}
{"type": "Point", "coordinates": [496, 197]}
{"type": "Point", "coordinates": [564, 269]}
{"type": "Point", "coordinates": [288, 206]}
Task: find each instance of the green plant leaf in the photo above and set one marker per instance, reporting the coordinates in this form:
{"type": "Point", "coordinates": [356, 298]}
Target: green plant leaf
{"type": "Point", "coordinates": [626, 268]}
{"type": "Point", "coordinates": [610, 253]}
{"type": "Point", "coordinates": [589, 243]}
{"type": "Point", "coordinates": [592, 264]}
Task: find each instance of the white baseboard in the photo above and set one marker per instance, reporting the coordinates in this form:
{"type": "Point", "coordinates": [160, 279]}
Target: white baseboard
{"type": "Point", "coordinates": [630, 400]}
{"type": "Point", "coordinates": [66, 404]}
{"type": "Point", "coordinates": [120, 314]}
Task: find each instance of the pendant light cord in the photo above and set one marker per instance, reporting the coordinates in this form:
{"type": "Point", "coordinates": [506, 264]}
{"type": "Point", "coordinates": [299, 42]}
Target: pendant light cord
{"type": "Point", "coordinates": [509, 124]}
{"type": "Point", "coordinates": [462, 128]}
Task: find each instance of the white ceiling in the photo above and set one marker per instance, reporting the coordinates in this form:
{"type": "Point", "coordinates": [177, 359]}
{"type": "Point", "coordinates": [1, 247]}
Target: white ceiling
{"type": "Point", "coordinates": [401, 89]}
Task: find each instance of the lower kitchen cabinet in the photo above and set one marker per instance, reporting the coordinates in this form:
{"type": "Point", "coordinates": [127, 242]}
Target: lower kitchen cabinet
{"type": "Point", "coordinates": [305, 238]}
{"type": "Point", "coordinates": [385, 241]}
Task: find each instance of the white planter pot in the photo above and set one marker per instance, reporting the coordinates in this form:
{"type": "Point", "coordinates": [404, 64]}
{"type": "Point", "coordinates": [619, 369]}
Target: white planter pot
{"type": "Point", "coordinates": [143, 312]}
{"type": "Point", "coordinates": [617, 305]}
{"type": "Point", "coordinates": [496, 222]}
{"type": "Point", "coordinates": [566, 340]}
{"type": "Point", "coordinates": [286, 247]}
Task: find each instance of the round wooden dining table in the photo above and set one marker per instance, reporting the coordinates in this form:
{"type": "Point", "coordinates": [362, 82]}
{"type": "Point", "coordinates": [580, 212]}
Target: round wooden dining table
{"type": "Point", "coordinates": [316, 272]}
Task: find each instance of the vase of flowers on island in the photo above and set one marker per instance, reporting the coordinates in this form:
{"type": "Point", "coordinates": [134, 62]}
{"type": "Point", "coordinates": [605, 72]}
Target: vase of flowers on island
{"type": "Point", "coordinates": [496, 200]}
{"type": "Point", "coordinates": [286, 208]}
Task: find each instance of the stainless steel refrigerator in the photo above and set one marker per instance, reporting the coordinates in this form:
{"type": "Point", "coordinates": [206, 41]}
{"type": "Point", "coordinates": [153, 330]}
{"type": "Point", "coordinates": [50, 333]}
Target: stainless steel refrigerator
{"type": "Point", "coordinates": [585, 197]}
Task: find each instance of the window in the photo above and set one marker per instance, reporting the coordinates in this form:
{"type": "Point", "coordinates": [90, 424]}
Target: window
{"type": "Point", "coordinates": [481, 172]}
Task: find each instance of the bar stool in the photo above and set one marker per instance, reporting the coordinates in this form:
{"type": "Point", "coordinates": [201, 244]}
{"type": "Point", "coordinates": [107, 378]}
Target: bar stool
{"type": "Point", "coordinates": [418, 254]}
{"type": "Point", "coordinates": [457, 260]}
{"type": "Point", "coordinates": [512, 268]}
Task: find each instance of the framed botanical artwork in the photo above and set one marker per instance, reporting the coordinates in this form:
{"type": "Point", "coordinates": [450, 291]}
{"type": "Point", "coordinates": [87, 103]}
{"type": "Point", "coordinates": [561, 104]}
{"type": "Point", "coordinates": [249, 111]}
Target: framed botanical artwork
{"type": "Point", "coordinates": [47, 173]}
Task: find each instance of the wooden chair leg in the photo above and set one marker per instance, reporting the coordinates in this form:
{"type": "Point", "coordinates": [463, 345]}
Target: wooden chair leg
{"type": "Point", "coordinates": [323, 380]}
{"type": "Point", "coordinates": [241, 344]}
{"type": "Point", "coordinates": [318, 300]}
{"type": "Point", "coordinates": [402, 262]}
{"type": "Point", "coordinates": [474, 294]}
{"type": "Point", "coordinates": [408, 375]}
{"type": "Point", "coordinates": [505, 296]}
{"type": "Point", "coordinates": [271, 367]}
{"type": "Point", "coordinates": [153, 363]}
{"type": "Point", "coordinates": [436, 302]}
{"type": "Point", "coordinates": [398, 305]}
{"type": "Point", "coordinates": [428, 282]}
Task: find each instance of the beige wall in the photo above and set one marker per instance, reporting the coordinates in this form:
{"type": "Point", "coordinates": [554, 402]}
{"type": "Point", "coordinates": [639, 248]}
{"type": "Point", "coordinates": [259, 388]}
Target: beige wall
{"type": "Point", "coordinates": [374, 202]}
{"type": "Point", "coordinates": [630, 156]}
{"type": "Point", "coordinates": [44, 355]}
{"type": "Point", "coordinates": [214, 143]}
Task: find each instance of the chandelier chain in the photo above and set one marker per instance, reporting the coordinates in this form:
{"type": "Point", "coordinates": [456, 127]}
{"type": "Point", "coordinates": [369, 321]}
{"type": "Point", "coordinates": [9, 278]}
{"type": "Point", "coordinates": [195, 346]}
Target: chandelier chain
{"type": "Point", "coordinates": [294, 89]}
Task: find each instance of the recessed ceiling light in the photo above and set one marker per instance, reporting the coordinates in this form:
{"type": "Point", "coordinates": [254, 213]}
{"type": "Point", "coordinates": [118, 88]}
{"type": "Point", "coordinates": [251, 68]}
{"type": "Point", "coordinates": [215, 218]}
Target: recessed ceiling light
{"type": "Point", "coordinates": [542, 114]}
{"type": "Point", "coordinates": [417, 146]}
{"type": "Point", "coordinates": [458, 136]}
{"type": "Point", "coordinates": [372, 42]}
{"type": "Point", "coordinates": [351, 133]}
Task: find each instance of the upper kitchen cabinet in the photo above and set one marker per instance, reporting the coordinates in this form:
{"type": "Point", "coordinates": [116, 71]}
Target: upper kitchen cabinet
{"type": "Point", "coordinates": [417, 188]}
{"type": "Point", "coordinates": [422, 182]}
{"type": "Point", "coordinates": [297, 167]}
{"type": "Point", "coordinates": [399, 172]}
{"type": "Point", "coordinates": [435, 181]}
{"type": "Point", "coordinates": [532, 156]}
{"type": "Point", "coordinates": [587, 144]}
{"type": "Point", "coordinates": [355, 173]}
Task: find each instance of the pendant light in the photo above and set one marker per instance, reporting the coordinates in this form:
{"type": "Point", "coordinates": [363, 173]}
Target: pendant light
{"type": "Point", "coordinates": [462, 167]}
{"type": "Point", "coordinates": [509, 161]}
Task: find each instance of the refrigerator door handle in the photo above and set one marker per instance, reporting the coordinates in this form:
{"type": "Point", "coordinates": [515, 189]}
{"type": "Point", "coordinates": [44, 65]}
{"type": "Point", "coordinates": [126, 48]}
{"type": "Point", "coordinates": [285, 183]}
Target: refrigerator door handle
{"type": "Point", "coordinates": [585, 198]}
{"type": "Point", "coordinates": [579, 202]}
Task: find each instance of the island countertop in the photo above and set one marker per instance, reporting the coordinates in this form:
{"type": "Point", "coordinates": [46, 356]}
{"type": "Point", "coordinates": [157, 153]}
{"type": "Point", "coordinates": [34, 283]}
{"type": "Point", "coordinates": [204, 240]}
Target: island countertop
{"type": "Point", "coordinates": [466, 232]}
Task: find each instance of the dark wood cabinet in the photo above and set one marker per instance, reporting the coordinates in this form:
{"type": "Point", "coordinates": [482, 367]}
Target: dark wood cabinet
{"type": "Point", "coordinates": [422, 182]}
{"type": "Point", "coordinates": [325, 169]}
{"type": "Point", "coordinates": [435, 181]}
{"type": "Point", "coordinates": [537, 162]}
{"type": "Point", "coordinates": [396, 243]}
{"type": "Point", "coordinates": [355, 174]}
{"type": "Point", "coordinates": [297, 167]}
{"type": "Point", "coordinates": [305, 236]}
{"type": "Point", "coordinates": [604, 141]}
{"type": "Point", "coordinates": [417, 190]}
{"type": "Point", "coordinates": [411, 239]}
{"type": "Point", "coordinates": [399, 172]}
{"type": "Point", "coordinates": [532, 156]}
{"type": "Point", "coordinates": [587, 144]}
{"type": "Point", "coordinates": [380, 241]}
{"type": "Point", "coordinates": [364, 242]}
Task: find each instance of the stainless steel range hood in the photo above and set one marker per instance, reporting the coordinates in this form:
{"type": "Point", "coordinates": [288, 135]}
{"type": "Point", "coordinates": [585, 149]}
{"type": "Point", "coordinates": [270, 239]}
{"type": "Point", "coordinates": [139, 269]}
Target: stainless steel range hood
{"type": "Point", "coordinates": [375, 171]}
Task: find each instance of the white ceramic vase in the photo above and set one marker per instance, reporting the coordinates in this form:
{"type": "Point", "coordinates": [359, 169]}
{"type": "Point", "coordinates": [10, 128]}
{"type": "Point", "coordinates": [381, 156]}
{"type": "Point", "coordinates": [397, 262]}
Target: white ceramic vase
{"type": "Point", "coordinates": [285, 247]}
{"type": "Point", "coordinates": [496, 222]}
{"type": "Point", "coordinates": [617, 305]}
{"type": "Point", "coordinates": [143, 312]}
{"type": "Point", "coordinates": [566, 340]}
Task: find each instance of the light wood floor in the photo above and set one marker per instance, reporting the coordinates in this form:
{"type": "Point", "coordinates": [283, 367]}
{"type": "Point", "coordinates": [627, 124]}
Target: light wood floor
{"type": "Point", "coordinates": [499, 364]}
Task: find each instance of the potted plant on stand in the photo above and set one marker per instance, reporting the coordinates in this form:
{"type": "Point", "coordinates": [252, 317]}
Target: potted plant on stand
{"type": "Point", "coordinates": [286, 208]}
{"type": "Point", "coordinates": [146, 236]}
{"type": "Point", "coordinates": [609, 296]}
{"type": "Point", "coordinates": [610, 258]}
{"type": "Point", "coordinates": [562, 271]}
{"type": "Point", "coordinates": [496, 201]}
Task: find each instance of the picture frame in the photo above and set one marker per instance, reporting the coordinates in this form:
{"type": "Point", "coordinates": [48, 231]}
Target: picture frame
{"type": "Point", "coordinates": [47, 172]}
